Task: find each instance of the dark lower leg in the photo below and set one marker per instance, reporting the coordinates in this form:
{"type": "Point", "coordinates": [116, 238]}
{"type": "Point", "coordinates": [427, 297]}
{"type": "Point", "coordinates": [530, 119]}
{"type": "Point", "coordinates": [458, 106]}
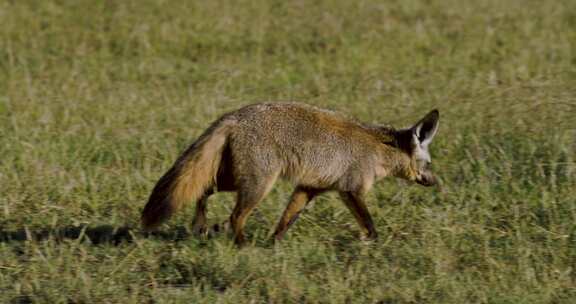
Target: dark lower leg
{"type": "Point", "coordinates": [248, 198]}
{"type": "Point", "coordinates": [356, 204]}
{"type": "Point", "coordinates": [238, 220]}
{"type": "Point", "coordinates": [200, 221]}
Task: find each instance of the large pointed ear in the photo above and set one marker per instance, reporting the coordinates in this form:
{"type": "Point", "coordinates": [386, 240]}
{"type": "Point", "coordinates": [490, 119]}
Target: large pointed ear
{"type": "Point", "coordinates": [423, 131]}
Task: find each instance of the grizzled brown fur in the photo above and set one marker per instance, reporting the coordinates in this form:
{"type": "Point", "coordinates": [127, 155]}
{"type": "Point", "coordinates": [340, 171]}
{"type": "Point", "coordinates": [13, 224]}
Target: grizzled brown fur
{"type": "Point", "coordinates": [318, 150]}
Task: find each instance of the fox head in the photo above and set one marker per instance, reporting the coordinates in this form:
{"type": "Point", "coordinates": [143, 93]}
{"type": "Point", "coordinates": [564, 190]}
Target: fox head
{"type": "Point", "coordinates": [414, 142]}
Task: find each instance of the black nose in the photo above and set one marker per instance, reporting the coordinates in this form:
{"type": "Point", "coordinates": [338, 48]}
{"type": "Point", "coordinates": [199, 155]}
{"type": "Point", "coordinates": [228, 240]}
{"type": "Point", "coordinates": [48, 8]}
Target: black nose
{"type": "Point", "coordinates": [427, 179]}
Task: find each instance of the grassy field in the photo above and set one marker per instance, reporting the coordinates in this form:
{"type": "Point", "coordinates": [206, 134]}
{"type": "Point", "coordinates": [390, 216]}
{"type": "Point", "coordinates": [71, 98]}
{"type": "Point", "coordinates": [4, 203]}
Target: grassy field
{"type": "Point", "coordinates": [98, 98]}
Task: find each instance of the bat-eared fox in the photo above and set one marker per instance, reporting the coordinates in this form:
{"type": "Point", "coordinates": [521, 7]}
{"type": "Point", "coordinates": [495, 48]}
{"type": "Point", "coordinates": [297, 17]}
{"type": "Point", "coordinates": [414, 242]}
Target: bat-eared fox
{"type": "Point", "coordinates": [318, 150]}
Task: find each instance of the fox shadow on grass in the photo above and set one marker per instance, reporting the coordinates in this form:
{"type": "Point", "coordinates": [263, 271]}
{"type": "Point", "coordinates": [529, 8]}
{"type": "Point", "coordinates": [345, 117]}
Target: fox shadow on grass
{"type": "Point", "coordinates": [102, 234]}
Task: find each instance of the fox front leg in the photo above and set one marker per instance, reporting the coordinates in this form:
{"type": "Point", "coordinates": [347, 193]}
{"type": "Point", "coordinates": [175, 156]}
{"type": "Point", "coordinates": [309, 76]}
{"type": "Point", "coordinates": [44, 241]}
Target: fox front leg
{"type": "Point", "coordinates": [355, 202]}
{"type": "Point", "coordinates": [298, 201]}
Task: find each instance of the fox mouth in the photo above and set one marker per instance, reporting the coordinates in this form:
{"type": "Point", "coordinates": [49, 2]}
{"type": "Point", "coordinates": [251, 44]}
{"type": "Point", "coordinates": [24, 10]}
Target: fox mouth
{"type": "Point", "coordinates": [426, 179]}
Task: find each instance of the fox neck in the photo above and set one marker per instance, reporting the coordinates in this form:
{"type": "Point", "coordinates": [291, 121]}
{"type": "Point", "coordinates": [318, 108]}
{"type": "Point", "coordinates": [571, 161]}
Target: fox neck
{"type": "Point", "coordinates": [395, 157]}
{"type": "Point", "coordinates": [392, 161]}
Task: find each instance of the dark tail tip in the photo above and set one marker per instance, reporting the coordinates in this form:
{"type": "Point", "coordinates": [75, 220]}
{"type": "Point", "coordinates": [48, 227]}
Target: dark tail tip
{"type": "Point", "coordinates": [159, 207]}
{"type": "Point", "coordinates": [154, 214]}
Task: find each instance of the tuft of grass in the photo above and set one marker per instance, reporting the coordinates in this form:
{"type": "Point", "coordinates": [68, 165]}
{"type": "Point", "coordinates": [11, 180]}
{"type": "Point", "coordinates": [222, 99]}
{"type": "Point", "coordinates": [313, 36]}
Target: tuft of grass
{"type": "Point", "coordinates": [97, 99]}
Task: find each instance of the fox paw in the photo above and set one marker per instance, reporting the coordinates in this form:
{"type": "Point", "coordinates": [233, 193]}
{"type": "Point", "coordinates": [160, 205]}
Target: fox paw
{"type": "Point", "coordinates": [220, 228]}
{"type": "Point", "coordinates": [200, 231]}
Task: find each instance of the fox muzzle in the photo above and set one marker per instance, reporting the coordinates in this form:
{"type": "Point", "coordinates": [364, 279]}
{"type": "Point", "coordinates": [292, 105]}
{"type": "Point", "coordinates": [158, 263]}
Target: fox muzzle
{"type": "Point", "coordinates": [426, 179]}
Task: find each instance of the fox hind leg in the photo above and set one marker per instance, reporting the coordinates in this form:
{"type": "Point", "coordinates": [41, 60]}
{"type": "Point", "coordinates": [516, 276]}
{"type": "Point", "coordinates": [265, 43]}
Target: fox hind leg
{"type": "Point", "coordinates": [199, 223]}
{"type": "Point", "coordinates": [249, 195]}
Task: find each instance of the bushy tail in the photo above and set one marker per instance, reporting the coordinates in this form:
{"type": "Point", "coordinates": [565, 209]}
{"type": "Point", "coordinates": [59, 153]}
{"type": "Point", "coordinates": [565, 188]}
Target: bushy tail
{"type": "Point", "coordinates": [189, 178]}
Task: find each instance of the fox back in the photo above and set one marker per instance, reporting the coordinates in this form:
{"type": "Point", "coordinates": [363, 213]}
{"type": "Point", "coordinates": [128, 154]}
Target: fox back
{"type": "Point", "coordinates": [309, 146]}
